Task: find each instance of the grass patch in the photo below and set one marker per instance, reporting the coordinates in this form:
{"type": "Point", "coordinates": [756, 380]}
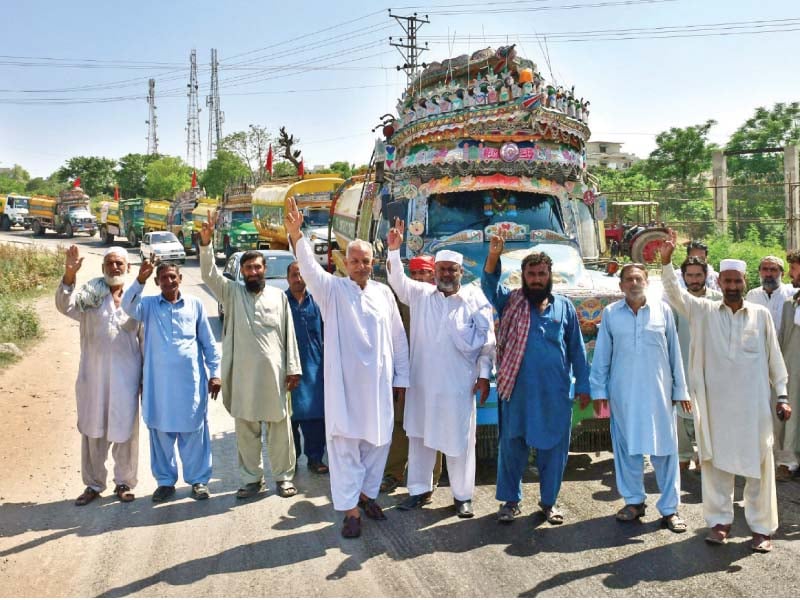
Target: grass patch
{"type": "Point", "coordinates": [26, 273]}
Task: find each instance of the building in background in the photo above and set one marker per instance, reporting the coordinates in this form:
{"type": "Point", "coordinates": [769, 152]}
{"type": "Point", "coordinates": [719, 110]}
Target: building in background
{"type": "Point", "coordinates": [609, 155]}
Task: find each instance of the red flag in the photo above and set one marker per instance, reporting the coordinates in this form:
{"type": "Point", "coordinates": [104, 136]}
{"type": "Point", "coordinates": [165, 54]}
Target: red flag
{"type": "Point", "coordinates": [194, 179]}
{"type": "Point", "coordinates": [301, 170]}
{"type": "Point", "coordinates": [268, 166]}
{"type": "Point", "coordinates": [77, 182]}
{"type": "Point", "coordinates": [116, 192]}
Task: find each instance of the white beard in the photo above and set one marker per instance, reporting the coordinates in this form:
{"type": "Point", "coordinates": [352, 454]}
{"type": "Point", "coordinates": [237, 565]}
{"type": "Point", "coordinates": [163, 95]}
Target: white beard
{"type": "Point", "coordinates": [112, 281]}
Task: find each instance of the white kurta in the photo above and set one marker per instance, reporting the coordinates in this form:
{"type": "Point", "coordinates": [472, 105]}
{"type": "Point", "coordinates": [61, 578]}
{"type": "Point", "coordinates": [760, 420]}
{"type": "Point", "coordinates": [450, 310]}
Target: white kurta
{"type": "Point", "coordinates": [773, 302]}
{"type": "Point", "coordinates": [734, 359]}
{"type": "Point", "coordinates": [366, 352]}
{"type": "Point", "coordinates": [452, 335]}
{"type": "Point", "coordinates": [110, 371]}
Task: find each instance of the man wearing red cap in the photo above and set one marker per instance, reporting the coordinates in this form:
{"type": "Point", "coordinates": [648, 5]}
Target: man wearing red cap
{"type": "Point", "coordinates": [420, 269]}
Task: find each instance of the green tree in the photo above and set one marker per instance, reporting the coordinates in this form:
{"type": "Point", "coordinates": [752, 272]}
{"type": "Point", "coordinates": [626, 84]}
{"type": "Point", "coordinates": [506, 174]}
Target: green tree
{"type": "Point", "coordinates": [681, 155]}
{"type": "Point", "coordinates": [343, 169]}
{"type": "Point", "coordinates": [166, 176]}
{"type": "Point", "coordinates": [48, 186]}
{"type": "Point", "coordinates": [251, 147]}
{"type": "Point", "coordinates": [14, 180]}
{"type": "Point", "coordinates": [767, 128]}
{"type": "Point", "coordinates": [283, 169]}
{"type": "Point", "coordinates": [132, 174]}
{"type": "Point", "coordinates": [224, 169]}
{"type": "Point", "coordinates": [96, 173]}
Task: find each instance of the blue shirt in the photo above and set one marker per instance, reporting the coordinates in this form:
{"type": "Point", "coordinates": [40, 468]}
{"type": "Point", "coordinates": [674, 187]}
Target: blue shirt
{"type": "Point", "coordinates": [637, 366]}
{"type": "Point", "coordinates": [308, 398]}
{"type": "Point", "coordinates": [540, 405]}
{"type": "Point", "coordinates": [179, 350]}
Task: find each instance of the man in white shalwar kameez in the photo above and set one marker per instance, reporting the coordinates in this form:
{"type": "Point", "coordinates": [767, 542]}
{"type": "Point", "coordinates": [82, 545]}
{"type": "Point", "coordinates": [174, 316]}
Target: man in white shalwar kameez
{"type": "Point", "coordinates": [734, 361]}
{"type": "Point", "coordinates": [366, 355]}
{"type": "Point", "coordinates": [109, 375]}
{"type": "Point", "coordinates": [451, 332]}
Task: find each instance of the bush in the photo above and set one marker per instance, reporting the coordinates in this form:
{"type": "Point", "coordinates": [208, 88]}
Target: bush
{"type": "Point", "coordinates": [18, 322]}
{"type": "Point", "coordinates": [751, 250]}
{"type": "Point", "coordinates": [25, 269]}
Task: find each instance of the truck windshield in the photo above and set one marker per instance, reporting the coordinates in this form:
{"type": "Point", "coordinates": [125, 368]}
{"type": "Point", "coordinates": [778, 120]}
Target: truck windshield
{"type": "Point", "coordinates": [451, 213]}
{"type": "Point", "coordinates": [317, 217]}
{"type": "Point", "coordinates": [238, 218]}
{"type": "Point", "coordinates": [17, 202]}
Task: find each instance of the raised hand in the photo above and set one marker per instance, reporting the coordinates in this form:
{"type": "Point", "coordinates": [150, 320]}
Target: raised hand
{"type": "Point", "coordinates": [207, 229]}
{"type": "Point", "coordinates": [668, 247]}
{"type": "Point", "coordinates": [395, 237]}
{"type": "Point", "coordinates": [496, 245]}
{"type": "Point", "coordinates": [72, 265]}
{"type": "Point", "coordinates": [145, 270]}
{"type": "Point", "coordinates": [293, 220]}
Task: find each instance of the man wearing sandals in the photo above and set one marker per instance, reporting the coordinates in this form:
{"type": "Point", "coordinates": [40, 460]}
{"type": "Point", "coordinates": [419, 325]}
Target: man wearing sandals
{"type": "Point", "coordinates": [539, 347]}
{"type": "Point", "coordinates": [366, 355]}
{"type": "Point", "coordinates": [181, 369]}
{"type": "Point", "coordinates": [637, 366]}
{"type": "Point", "coordinates": [452, 333]}
{"type": "Point", "coordinates": [260, 364]}
{"type": "Point", "coordinates": [109, 375]}
{"type": "Point", "coordinates": [736, 360]}
{"type": "Point", "coordinates": [308, 398]}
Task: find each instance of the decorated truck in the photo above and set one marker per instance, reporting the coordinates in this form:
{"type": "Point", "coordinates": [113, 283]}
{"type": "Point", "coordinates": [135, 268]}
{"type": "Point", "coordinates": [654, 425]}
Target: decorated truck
{"type": "Point", "coordinates": [482, 145]}
{"type": "Point", "coordinates": [180, 219]}
{"type": "Point", "coordinates": [122, 218]}
{"type": "Point", "coordinates": [156, 215]}
{"type": "Point", "coordinates": [14, 211]}
{"type": "Point", "coordinates": [234, 229]}
{"type": "Point", "coordinates": [313, 196]}
{"type": "Point", "coordinates": [67, 214]}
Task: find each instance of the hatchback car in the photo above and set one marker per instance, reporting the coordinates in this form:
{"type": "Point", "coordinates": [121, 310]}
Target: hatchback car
{"type": "Point", "coordinates": [162, 246]}
{"type": "Point", "coordinates": [277, 262]}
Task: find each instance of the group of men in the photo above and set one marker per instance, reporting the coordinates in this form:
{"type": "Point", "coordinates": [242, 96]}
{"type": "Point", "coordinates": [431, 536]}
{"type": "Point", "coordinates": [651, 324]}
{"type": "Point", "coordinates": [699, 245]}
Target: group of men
{"type": "Point", "coordinates": [344, 391]}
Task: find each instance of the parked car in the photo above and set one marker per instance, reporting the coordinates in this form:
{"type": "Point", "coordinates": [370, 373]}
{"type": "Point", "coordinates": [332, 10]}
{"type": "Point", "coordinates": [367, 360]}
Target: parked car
{"type": "Point", "coordinates": [277, 262]}
{"type": "Point", "coordinates": [162, 246]}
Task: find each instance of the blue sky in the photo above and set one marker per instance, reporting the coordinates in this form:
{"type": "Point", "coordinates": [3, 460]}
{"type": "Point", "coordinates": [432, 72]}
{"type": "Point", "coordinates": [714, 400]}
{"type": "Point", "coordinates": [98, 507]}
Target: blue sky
{"type": "Point", "coordinates": [324, 69]}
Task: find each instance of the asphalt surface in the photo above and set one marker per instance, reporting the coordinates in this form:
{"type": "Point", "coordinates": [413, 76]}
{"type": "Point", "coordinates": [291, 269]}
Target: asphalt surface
{"type": "Point", "coordinates": [291, 547]}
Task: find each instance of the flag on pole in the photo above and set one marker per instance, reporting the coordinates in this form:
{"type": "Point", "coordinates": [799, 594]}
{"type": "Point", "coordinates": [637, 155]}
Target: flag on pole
{"type": "Point", "coordinates": [268, 165]}
{"type": "Point", "coordinates": [116, 192]}
{"type": "Point", "coordinates": [301, 170]}
{"type": "Point", "coordinates": [194, 179]}
{"type": "Point", "coordinates": [77, 182]}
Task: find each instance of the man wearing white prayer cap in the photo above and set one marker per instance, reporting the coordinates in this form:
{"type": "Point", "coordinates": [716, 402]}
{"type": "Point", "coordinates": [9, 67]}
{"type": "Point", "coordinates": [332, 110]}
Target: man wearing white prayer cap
{"type": "Point", "coordinates": [109, 375]}
{"type": "Point", "coordinates": [452, 333]}
{"type": "Point", "coordinates": [734, 362]}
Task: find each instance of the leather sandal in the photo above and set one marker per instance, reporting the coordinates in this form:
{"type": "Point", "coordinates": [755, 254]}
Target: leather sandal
{"type": "Point", "coordinates": [719, 534]}
{"type": "Point", "coordinates": [631, 512]}
{"type": "Point", "coordinates": [508, 512]}
{"type": "Point", "coordinates": [551, 514]}
{"type": "Point", "coordinates": [761, 543]}
{"type": "Point", "coordinates": [286, 489]}
{"type": "Point", "coordinates": [371, 508]}
{"type": "Point", "coordinates": [351, 527]}
{"type": "Point", "coordinates": [124, 493]}
{"type": "Point", "coordinates": [674, 523]}
{"type": "Point", "coordinates": [87, 496]}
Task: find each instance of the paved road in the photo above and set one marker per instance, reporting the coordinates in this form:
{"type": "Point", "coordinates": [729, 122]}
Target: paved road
{"type": "Point", "coordinates": [280, 547]}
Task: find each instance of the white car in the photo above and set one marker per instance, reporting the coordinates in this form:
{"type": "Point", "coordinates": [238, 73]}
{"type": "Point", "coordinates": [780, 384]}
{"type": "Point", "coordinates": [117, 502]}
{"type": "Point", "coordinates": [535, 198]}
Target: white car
{"type": "Point", "coordinates": [162, 246]}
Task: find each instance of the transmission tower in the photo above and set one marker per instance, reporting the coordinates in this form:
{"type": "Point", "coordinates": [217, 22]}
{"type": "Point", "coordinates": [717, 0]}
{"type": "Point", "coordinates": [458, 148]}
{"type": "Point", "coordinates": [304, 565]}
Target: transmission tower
{"type": "Point", "coordinates": [407, 47]}
{"type": "Point", "coordinates": [215, 116]}
{"type": "Point", "coordinates": [152, 137]}
{"type": "Point", "coordinates": [194, 150]}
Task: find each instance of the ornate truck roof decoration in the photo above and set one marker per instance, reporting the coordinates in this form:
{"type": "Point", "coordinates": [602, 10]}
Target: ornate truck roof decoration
{"type": "Point", "coordinates": [481, 117]}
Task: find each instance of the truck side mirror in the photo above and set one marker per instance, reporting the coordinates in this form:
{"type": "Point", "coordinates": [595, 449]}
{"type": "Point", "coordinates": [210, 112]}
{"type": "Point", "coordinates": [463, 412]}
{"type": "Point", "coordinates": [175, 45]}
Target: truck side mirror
{"type": "Point", "coordinates": [395, 210]}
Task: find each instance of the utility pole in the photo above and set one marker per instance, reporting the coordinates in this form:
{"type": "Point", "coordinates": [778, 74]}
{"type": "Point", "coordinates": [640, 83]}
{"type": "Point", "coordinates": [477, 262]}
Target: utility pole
{"type": "Point", "coordinates": [215, 116]}
{"type": "Point", "coordinates": [407, 47]}
{"type": "Point", "coordinates": [194, 150]}
{"type": "Point", "coordinates": [152, 137]}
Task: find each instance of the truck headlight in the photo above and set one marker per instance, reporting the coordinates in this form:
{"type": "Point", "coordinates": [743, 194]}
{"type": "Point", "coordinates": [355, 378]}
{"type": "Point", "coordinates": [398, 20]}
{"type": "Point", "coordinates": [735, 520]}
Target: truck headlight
{"type": "Point", "coordinates": [320, 248]}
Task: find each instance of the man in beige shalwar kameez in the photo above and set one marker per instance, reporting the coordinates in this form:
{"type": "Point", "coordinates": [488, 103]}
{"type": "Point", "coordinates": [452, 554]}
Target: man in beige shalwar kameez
{"type": "Point", "coordinates": [734, 361]}
{"type": "Point", "coordinates": [787, 435]}
{"type": "Point", "coordinates": [260, 364]}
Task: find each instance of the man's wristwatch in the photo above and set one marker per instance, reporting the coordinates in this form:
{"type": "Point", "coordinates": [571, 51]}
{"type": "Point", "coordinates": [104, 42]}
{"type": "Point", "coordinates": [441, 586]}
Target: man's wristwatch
{"type": "Point", "coordinates": [783, 399]}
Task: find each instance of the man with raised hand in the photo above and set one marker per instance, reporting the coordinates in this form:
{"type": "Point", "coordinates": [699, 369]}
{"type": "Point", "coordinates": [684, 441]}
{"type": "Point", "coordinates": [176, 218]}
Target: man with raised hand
{"type": "Point", "coordinates": [260, 364]}
{"type": "Point", "coordinates": [452, 332]}
{"type": "Point", "coordinates": [109, 374]}
{"type": "Point", "coordinates": [366, 355]}
{"type": "Point", "coordinates": [736, 363]}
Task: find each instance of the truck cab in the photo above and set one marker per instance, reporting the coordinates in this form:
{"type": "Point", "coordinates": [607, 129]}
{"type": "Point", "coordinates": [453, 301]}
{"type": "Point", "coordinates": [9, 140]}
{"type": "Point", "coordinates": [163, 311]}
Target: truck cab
{"type": "Point", "coordinates": [14, 211]}
{"type": "Point", "coordinates": [234, 230]}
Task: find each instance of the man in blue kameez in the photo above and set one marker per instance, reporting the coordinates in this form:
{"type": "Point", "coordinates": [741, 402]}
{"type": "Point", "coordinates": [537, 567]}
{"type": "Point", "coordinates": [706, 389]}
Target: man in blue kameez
{"type": "Point", "coordinates": [181, 367]}
{"type": "Point", "coordinates": [637, 366]}
{"type": "Point", "coordinates": [539, 349]}
{"type": "Point", "coordinates": [308, 398]}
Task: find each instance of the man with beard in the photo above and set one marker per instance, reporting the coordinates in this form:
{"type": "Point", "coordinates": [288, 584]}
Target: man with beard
{"type": "Point", "coordinates": [308, 398]}
{"type": "Point", "coordinates": [109, 374]}
{"type": "Point", "coordinates": [694, 273]}
{"type": "Point", "coordinates": [452, 333]}
{"type": "Point", "coordinates": [773, 293]}
{"type": "Point", "coordinates": [181, 368]}
{"type": "Point", "coordinates": [260, 364]}
{"type": "Point", "coordinates": [736, 359]}
{"type": "Point", "coordinates": [420, 268]}
{"type": "Point", "coordinates": [697, 249]}
{"type": "Point", "coordinates": [366, 356]}
{"type": "Point", "coordinates": [637, 366]}
{"type": "Point", "coordinates": [787, 438]}
{"type": "Point", "coordinates": [539, 349]}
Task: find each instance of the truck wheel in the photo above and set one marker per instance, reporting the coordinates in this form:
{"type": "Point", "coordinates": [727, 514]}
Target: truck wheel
{"type": "Point", "coordinates": [5, 225]}
{"type": "Point", "coordinates": [132, 239]}
{"type": "Point", "coordinates": [68, 230]}
{"type": "Point", "coordinates": [646, 245]}
{"type": "Point", "coordinates": [228, 249]}
{"type": "Point", "coordinates": [108, 238]}
{"type": "Point", "coordinates": [38, 230]}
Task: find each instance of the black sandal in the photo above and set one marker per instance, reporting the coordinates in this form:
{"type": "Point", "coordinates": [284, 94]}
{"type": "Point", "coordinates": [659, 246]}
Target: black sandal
{"type": "Point", "coordinates": [124, 493]}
